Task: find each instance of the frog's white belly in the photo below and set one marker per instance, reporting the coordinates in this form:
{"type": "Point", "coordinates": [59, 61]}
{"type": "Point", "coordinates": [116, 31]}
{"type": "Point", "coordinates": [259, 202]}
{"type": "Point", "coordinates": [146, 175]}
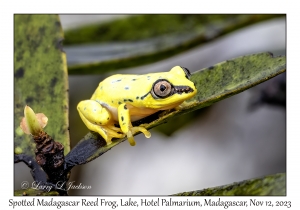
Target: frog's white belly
{"type": "Point", "coordinates": [135, 113]}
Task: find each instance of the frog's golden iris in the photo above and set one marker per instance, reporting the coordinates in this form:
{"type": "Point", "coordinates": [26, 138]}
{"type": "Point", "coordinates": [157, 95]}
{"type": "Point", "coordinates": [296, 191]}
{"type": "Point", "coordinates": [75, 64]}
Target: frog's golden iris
{"type": "Point", "coordinates": [126, 98]}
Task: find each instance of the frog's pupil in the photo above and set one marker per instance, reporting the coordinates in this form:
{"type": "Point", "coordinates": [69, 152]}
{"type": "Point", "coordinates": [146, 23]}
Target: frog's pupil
{"type": "Point", "coordinates": [162, 88]}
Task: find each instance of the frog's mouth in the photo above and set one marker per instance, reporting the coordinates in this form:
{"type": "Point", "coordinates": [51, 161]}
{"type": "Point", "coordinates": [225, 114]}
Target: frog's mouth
{"type": "Point", "coordinates": [181, 89]}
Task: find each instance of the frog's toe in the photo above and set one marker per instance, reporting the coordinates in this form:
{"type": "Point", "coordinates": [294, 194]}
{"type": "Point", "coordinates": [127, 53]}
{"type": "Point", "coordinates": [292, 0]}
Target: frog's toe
{"type": "Point", "coordinates": [130, 138]}
{"type": "Point", "coordinates": [141, 129]}
{"type": "Point", "coordinates": [133, 131]}
{"type": "Point", "coordinates": [108, 141]}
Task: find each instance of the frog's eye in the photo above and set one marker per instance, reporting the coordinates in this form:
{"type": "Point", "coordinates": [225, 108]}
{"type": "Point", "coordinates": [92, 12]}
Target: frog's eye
{"type": "Point", "coordinates": [161, 89]}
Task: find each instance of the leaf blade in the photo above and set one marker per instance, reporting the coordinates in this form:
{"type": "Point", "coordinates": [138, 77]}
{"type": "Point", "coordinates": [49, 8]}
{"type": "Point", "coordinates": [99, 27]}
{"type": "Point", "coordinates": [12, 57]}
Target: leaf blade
{"type": "Point", "coordinates": [40, 77]}
{"type": "Point", "coordinates": [269, 185]}
{"type": "Point", "coordinates": [213, 84]}
{"type": "Point", "coordinates": [171, 35]}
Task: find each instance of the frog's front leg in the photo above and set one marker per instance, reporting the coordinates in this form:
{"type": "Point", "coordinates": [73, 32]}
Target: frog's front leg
{"type": "Point", "coordinates": [126, 126]}
{"type": "Point", "coordinates": [97, 118]}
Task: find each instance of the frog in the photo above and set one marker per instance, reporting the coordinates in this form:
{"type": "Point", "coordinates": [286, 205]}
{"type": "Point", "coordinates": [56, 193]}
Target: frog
{"type": "Point", "coordinates": [125, 98]}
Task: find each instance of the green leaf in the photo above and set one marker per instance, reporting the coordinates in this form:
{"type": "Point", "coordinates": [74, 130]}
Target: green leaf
{"type": "Point", "coordinates": [213, 84]}
{"type": "Point", "coordinates": [170, 35]}
{"type": "Point", "coordinates": [268, 185]}
{"type": "Point", "coordinates": [138, 27]}
{"type": "Point", "coordinates": [40, 78]}
{"type": "Point", "coordinates": [34, 192]}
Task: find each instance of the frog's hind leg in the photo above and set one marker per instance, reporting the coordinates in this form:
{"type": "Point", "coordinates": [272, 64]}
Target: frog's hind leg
{"type": "Point", "coordinates": [98, 119]}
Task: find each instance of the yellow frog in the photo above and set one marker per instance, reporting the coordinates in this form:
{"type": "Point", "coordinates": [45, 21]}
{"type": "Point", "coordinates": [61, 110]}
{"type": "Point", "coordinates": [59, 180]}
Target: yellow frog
{"type": "Point", "coordinates": [122, 99]}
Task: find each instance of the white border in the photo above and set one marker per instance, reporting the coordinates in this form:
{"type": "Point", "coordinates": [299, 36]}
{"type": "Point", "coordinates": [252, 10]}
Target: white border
{"type": "Point", "coordinates": [128, 7]}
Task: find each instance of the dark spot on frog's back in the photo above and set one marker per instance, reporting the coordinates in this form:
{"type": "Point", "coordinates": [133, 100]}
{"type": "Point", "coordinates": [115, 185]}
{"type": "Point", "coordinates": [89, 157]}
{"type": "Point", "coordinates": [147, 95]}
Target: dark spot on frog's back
{"type": "Point", "coordinates": [118, 80]}
{"type": "Point", "coordinates": [137, 97]}
{"type": "Point", "coordinates": [122, 118]}
{"type": "Point", "coordinates": [126, 88]}
{"type": "Point", "coordinates": [130, 100]}
{"type": "Point", "coordinates": [133, 79]}
{"type": "Point", "coordinates": [20, 73]}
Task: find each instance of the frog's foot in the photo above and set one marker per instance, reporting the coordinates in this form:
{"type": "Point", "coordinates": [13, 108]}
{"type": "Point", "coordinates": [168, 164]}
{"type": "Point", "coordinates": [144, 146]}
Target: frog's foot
{"type": "Point", "coordinates": [141, 129]}
{"type": "Point", "coordinates": [106, 133]}
{"type": "Point", "coordinates": [109, 137]}
{"type": "Point", "coordinates": [112, 127]}
{"type": "Point", "coordinates": [110, 133]}
{"type": "Point", "coordinates": [134, 130]}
